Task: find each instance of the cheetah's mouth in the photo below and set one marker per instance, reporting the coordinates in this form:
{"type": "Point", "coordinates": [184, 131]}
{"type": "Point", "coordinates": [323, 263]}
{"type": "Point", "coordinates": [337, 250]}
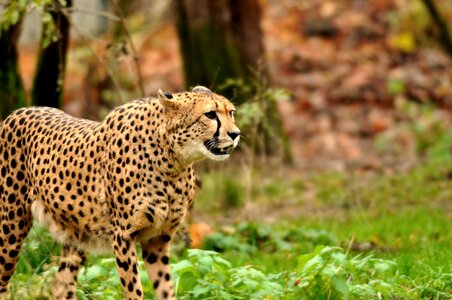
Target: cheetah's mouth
{"type": "Point", "coordinates": [219, 151]}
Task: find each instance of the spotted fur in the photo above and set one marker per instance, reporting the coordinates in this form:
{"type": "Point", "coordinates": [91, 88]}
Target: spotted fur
{"type": "Point", "coordinates": [108, 185]}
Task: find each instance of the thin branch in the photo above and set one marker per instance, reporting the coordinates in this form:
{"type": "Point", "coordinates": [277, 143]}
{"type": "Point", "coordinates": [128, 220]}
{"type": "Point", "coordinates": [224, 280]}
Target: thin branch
{"type": "Point", "coordinates": [136, 57]}
{"type": "Point", "coordinates": [98, 58]}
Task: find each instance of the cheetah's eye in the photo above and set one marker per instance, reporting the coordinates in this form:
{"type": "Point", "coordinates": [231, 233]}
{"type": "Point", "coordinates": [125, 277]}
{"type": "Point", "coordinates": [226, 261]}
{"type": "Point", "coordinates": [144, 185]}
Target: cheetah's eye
{"type": "Point", "coordinates": [211, 115]}
{"type": "Point", "coordinates": [232, 113]}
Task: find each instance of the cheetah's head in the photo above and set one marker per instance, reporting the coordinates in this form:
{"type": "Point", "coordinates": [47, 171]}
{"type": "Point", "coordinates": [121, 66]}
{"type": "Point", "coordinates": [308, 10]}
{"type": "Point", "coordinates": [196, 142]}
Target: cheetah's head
{"type": "Point", "coordinates": [201, 124]}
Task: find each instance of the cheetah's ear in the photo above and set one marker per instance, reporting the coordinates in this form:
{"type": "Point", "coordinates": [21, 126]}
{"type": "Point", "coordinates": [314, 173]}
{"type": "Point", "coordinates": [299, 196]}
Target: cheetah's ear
{"type": "Point", "coordinates": [201, 89]}
{"type": "Point", "coordinates": [166, 99]}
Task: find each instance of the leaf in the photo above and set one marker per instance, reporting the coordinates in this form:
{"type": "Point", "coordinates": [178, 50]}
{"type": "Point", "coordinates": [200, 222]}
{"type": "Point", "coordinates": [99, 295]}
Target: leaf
{"type": "Point", "coordinates": [362, 291]}
{"type": "Point", "coordinates": [14, 17]}
{"type": "Point", "coordinates": [382, 267]}
{"type": "Point", "coordinates": [182, 267]}
{"type": "Point", "coordinates": [330, 250]}
{"type": "Point", "coordinates": [341, 258]}
{"type": "Point", "coordinates": [404, 41]}
{"type": "Point", "coordinates": [249, 114]}
{"type": "Point", "coordinates": [303, 260]}
{"type": "Point", "coordinates": [92, 273]}
{"type": "Point", "coordinates": [395, 87]}
{"type": "Point", "coordinates": [200, 290]}
{"type": "Point", "coordinates": [198, 252]}
{"type": "Point", "coordinates": [339, 283]}
{"type": "Point", "coordinates": [224, 263]}
{"type": "Point", "coordinates": [314, 264]}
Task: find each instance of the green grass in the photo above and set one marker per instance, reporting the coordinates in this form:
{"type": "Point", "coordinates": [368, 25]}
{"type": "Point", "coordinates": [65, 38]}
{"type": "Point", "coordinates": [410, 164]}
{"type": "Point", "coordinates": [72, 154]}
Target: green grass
{"type": "Point", "coordinates": [403, 217]}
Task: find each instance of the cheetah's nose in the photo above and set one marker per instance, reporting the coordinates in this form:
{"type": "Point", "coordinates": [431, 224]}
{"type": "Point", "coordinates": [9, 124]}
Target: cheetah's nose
{"type": "Point", "coordinates": [234, 134]}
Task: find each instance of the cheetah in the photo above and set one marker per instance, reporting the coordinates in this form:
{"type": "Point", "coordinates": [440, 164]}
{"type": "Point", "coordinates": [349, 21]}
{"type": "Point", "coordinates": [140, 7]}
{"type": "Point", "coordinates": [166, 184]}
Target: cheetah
{"type": "Point", "coordinates": [105, 186]}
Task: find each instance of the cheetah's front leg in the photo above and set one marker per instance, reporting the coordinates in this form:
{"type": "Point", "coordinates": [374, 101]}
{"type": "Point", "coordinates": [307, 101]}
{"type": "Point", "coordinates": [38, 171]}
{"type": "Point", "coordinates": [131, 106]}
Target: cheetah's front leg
{"type": "Point", "coordinates": [156, 259]}
{"type": "Point", "coordinates": [126, 262]}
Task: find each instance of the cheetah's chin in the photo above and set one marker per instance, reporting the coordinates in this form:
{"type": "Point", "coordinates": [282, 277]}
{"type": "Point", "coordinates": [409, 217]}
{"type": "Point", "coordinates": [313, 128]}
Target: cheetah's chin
{"type": "Point", "coordinates": [217, 154]}
{"type": "Point", "coordinates": [219, 157]}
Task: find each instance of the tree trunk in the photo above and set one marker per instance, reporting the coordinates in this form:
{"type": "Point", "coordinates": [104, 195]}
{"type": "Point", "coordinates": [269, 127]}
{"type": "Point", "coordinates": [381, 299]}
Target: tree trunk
{"type": "Point", "coordinates": [12, 93]}
{"type": "Point", "coordinates": [220, 40]}
{"type": "Point", "coordinates": [247, 33]}
{"type": "Point", "coordinates": [445, 36]}
{"type": "Point", "coordinates": [49, 78]}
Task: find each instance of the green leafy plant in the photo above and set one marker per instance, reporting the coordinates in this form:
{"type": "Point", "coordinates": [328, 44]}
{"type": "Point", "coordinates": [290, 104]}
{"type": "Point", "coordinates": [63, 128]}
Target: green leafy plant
{"type": "Point", "coordinates": [206, 275]}
{"type": "Point", "coordinates": [329, 273]}
{"type": "Point", "coordinates": [222, 242]}
{"type": "Point", "coordinates": [248, 238]}
{"type": "Point", "coordinates": [100, 280]}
